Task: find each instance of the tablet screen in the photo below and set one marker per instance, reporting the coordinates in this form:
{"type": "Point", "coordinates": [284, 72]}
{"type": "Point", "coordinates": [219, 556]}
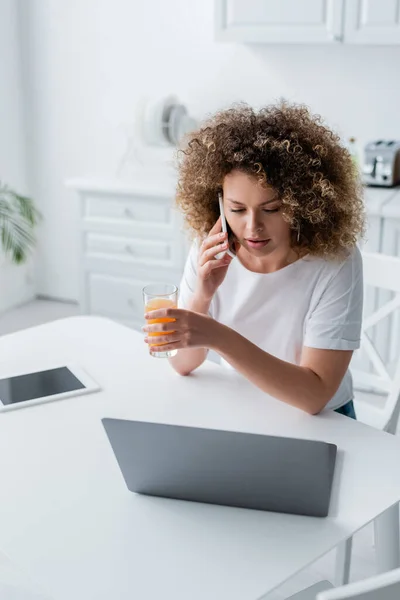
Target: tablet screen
{"type": "Point", "coordinates": [38, 385]}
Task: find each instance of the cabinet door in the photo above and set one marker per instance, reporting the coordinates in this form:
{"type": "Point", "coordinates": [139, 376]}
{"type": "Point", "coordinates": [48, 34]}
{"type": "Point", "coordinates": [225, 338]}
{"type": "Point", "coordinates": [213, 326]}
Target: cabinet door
{"type": "Point", "coordinates": [372, 22]}
{"type": "Point", "coordinates": [283, 22]}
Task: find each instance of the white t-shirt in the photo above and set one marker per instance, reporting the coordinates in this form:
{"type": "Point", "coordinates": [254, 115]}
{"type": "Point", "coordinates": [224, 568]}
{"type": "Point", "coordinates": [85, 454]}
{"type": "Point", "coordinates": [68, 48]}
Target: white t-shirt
{"type": "Point", "coordinates": [312, 302]}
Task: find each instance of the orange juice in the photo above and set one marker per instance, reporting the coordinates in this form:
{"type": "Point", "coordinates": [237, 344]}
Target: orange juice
{"type": "Point", "coordinates": [155, 304]}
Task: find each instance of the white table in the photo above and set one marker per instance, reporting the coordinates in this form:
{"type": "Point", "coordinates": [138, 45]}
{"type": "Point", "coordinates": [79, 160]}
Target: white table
{"type": "Point", "coordinates": [67, 518]}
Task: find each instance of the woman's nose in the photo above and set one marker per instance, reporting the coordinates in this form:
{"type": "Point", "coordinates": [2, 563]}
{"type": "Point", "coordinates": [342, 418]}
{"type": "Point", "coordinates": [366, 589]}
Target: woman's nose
{"type": "Point", "coordinates": [255, 224]}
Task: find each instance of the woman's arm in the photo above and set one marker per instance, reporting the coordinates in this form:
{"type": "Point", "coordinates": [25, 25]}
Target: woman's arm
{"type": "Point", "coordinates": [308, 386]}
{"type": "Point", "coordinates": [188, 359]}
{"type": "Point", "coordinates": [203, 274]}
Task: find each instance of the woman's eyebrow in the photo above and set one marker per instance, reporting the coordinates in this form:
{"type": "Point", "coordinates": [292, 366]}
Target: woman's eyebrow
{"type": "Point", "coordinates": [262, 203]}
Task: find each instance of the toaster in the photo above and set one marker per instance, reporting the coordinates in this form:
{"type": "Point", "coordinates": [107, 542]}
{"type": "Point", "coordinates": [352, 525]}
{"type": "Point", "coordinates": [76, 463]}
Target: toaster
{"type": "Point", "coordinates": [382, 163]}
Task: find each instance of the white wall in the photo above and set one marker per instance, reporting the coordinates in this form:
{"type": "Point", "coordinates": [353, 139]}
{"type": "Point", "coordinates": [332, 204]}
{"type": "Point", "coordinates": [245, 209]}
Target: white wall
{"type": "Point", "coordinates": [91, 60]}
{"type": "Point", "coordinates": [16, 283]}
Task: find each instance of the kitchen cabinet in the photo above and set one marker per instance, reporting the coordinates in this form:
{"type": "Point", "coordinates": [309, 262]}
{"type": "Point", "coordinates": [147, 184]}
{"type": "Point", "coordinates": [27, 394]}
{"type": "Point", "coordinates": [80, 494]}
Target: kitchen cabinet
{"type": "Point", "coordinates": [371, 22]}
{"type": "Point", "coordinates": [131, 236]}
{"type": "Point", "coordinates": [308, 22]}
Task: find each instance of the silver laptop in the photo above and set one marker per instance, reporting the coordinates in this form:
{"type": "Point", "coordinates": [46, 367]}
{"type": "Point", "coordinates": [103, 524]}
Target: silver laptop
{"type": "Point", "coordinates": [223, 467]}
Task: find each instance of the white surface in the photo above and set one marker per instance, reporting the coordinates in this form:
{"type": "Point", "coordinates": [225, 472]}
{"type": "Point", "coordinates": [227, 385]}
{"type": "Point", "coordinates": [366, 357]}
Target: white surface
{"type": "Point", "coordinates": [159, 184]}
{"type": "Point", "coordinates": [316, 21]}
{"type": "Point", "coordinates": [81, 100]}
{"type": "Point", "coordinates": [381, 236]}
{"type": "Point", "coordinates": [381, 272]}
{"type": "Point", "coordinates": [363, 561]}
{"type": "Point", "coordinates": [17, 283]}
{"type": "Point", "coordinates": [284, 22]}
{"type": "Point", "coordinates": [310, 593]}
{"type": "Point", "coordinates": [85, 536]}
{"type": "Point", "coordinates": [391, 209]}
{"type": "Point", "coordinates": [35, 313]}
{"type": "Point", "coordinates": [15, 585]}
{"type": "Point", "coordinates": [377, 199]}
{"type": "Point", "coordinates": [131, 235]}
{"type": "Point", "coordinates": [385, 586]}
{"type": "Point", "coordinates": [76, 370]}
{"type": "Point", "coordinates": [371, 22]}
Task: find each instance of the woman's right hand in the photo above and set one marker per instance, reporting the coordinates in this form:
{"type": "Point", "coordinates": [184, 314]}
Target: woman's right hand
{"type": "Point", "coordinates": [211, 271]}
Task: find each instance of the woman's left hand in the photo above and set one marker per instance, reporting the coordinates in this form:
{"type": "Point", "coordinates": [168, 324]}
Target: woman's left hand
{"type": "Point", "coordinates": [189, 330]}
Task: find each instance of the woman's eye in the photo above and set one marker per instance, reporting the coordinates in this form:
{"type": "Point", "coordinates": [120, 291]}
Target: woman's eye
{"type": "Point", "coordinates": [266, 210]}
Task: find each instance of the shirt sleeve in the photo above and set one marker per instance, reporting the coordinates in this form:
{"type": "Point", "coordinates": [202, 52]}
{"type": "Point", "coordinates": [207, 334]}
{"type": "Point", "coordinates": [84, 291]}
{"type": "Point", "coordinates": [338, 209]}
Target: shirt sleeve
{"type": "Point", "coordinates": [189, 278]}
{"type": "Point", "coordinates": [335, 322]}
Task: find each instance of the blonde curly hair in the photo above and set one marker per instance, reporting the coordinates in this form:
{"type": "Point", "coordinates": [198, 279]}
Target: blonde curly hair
{"type": "Point", "coordinates": [287, 148]}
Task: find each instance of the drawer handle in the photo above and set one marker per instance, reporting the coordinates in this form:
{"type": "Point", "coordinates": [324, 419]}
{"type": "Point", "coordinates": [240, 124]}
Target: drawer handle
{"type": "Point", "coordinates": [129, 249]}
{"type": "Point", "coordinates": [128, 213]}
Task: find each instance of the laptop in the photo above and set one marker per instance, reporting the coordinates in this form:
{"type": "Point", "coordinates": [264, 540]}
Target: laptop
{"type": "Point", "coordinates": [228, 468]}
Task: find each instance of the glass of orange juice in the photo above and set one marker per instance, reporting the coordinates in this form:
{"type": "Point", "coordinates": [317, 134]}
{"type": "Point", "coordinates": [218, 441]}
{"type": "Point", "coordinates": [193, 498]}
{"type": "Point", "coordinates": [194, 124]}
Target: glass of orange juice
{"type": "Point", "coordinates": [155, 296]}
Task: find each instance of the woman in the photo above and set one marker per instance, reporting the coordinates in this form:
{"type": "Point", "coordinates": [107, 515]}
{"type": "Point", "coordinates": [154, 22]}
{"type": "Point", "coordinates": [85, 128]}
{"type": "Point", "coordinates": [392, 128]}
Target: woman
{"type": "Point", "coordinates": [286, 312]}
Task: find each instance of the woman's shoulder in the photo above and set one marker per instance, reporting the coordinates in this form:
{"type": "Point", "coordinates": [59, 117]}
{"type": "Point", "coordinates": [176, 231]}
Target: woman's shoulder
{"type": "Point", "coordinates": [349, 259]}
{"type": "Point", "coordinates": [344, 271]}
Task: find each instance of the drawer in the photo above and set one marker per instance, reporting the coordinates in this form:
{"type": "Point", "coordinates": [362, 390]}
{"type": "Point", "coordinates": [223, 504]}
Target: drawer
{"type": "Point", "coordinates": [114, 296]}
{"type": "Point", "coordinates": [148, 210]}
{"type": "Point", "coordinates": [128, 248]}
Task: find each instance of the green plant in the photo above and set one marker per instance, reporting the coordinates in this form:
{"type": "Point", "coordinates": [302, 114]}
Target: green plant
{"type": "Point", "coordinates": [18, 219]}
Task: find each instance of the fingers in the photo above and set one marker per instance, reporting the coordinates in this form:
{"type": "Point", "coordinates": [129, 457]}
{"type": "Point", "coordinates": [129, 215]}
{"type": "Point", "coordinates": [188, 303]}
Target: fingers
{"type": "Point", "coordinates": [164, 313]}
{"type": "Point", "coordinates": [215, 264]}
{"type": "Point", "coordinates": [210, 253]}
{"type": "Point", "coordinates": [159, 327]}
{"type": "Point", "coordinates": [156, 340]}
{"type": "Point", "coordinates": [213, 240]}
{"type": "Point", "coordinates": [217, 227]}
{"type": "Point", "coordinates": [165, 347]}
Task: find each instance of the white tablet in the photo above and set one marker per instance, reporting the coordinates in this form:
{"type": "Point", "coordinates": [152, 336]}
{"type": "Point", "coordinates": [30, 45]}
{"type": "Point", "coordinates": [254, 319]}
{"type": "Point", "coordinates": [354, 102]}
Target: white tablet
{"type": "Point", "coordinates": [18, 389]}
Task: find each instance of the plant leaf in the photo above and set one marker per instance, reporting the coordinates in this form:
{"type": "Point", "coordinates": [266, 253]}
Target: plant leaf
{"type": "Point", "coordinates": [18, 217]}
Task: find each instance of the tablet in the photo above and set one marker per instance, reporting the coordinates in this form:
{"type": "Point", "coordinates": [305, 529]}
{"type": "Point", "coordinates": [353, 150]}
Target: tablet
{"type": "Point", "coordinates": [56, 382]}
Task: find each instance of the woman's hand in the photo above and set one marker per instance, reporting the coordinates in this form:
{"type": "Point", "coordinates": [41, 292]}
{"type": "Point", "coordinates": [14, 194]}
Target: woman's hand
{"type": "Point", "coordinates": [189, 330]}
{"type": "Point", "coordinates": [211, 271]}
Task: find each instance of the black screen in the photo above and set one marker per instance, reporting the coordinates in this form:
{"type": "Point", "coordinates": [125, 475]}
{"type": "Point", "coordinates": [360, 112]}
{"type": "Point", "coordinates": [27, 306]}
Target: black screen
{"type": "Point", "coordinates": [38, 385]}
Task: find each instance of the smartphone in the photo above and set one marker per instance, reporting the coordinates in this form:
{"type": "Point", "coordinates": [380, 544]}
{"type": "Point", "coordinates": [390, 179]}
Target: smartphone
{"type": "Point", "coordinates": [226, 229]}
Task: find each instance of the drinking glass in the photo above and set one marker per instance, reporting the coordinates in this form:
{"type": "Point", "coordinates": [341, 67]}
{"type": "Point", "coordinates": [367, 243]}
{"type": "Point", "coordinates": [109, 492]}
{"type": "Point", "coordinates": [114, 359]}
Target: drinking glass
{"type": "Point", "coordinates": [155, 296]}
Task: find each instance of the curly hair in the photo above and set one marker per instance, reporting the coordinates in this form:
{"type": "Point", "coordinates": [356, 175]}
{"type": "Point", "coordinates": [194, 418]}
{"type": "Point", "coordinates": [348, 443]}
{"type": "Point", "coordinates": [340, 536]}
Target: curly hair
{"type": "Point", "coordinates": [287, 148]}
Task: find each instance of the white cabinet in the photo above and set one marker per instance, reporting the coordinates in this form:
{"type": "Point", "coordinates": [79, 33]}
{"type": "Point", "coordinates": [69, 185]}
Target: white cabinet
{"type": "Point", "coordinates": [283, 22]}
{"type": "Point", "coordinates": [130, 236]}
{"type": "Point", "coordinates": [308, 21]}
{"type": "Point", "coordinates": [372, 22]}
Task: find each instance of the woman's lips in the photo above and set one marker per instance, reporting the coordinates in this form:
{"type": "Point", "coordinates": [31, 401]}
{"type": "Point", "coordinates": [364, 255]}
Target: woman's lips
{"type": "Point", "coordinates": [257, 243]}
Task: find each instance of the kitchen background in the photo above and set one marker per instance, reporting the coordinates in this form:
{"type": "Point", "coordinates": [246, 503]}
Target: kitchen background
{"type": "Point", "coordinates": [73, 74]}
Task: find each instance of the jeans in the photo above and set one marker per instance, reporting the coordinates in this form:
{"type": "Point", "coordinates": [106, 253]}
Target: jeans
{"type": "Point", "coordinates": [347, 410]}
